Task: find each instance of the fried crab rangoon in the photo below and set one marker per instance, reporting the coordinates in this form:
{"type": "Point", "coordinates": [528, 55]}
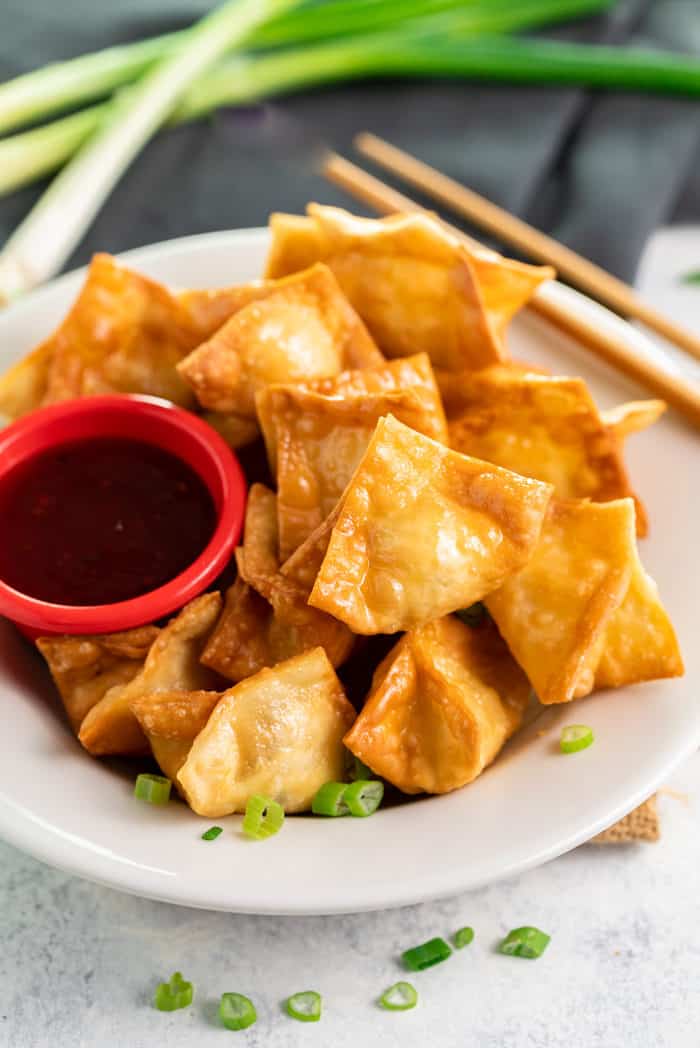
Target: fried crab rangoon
{"type": "Point", "coordinates": [422, 531]}
{"type": "Point", "coordinates": [442, 704]}
{"type": "Point", "coordinates": [279, 733]}
{"type": "Point", "coordinates": [171, 721]}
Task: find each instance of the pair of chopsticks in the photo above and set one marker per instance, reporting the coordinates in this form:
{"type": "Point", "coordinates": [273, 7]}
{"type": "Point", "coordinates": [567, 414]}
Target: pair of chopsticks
{"type": "Point", "coordinates": [595, 281]}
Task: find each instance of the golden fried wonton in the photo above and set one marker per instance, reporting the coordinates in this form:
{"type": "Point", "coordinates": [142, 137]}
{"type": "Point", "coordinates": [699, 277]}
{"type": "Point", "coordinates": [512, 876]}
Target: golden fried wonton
{"type": "Point", "coordinates": [172, 664]}
{"type": "Point", "coordinates": [579, 612]}
{"type": "Point", "coordinates": [315, 442]}
{"type": "Point", "coordinates": [416, 286]}
{"type": "Point", "coordinates": [85, 668]}
{"type": "Point", "coordinates": [266, 617]}
{"type": "Point", "coordinates": [171, 721]}
{"type": "Point", "coordinates": [442, 704]}
{"type": "Point", "coordinates": [304, 328]}
{"type": "Point", "coordinates": [423, 531]}
{"type": "Point", "coordinates": [279, 734]}
{"type": "Point", "coordinates": [632, 417]}
{"type": "Point", "coordinates": [123, 334]}
{"type": "Point", "coordinates": [544, 427]}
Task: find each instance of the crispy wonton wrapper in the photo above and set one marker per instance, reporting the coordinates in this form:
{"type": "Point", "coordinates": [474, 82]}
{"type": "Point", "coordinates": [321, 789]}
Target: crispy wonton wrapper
{"type": "Point", "coordinates": [416, 286]}
{"type": "Point", "coordinates": [266, 617]}
{"type": "Point", "coordinates": [171, 721]}
{"type": "Point", "coordinates": [315, 442]}
{"type": "Point", "coordinates": [172, 664]}
{"type": "Point", "coordinates": [124, 334]}
{"type": "Point", "coordinates": [581, 612]}
{"type": "Point", "coordinates": [85, 668]}
{"type": "Point", "coordinates": [423, 531]}
{"type": "Point", "coordinates": [442, 704]}
{"type": "Point", "coordinates": [279, 733]}
{"type": "Point", "coordinates": [304, 328]}
{"type": "Point", "coordinates": [544, 427]}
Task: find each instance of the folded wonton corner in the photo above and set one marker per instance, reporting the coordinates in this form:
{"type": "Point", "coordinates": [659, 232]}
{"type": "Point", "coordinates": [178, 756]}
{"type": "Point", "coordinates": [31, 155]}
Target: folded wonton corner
{"type": "Point", "coordinates": [171, 721]}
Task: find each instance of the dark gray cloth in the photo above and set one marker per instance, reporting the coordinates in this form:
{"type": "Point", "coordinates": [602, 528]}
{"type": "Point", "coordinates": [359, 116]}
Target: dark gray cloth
{"type": "Point", "coordinates": [599, 171]}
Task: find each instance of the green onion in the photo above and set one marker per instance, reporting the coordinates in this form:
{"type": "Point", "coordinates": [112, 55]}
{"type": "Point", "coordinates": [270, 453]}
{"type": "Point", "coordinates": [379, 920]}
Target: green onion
{"type": "Point", "coordinates": [236, 1011]}
{"type": "Point", "coordinates": [575, 737]}
{"type": "Point", "coordinates": [212, 833]}
{"type": "Point", "coordinates": [305, 1006]}
{"type": "Point", "coordinates": [425, 956]}
{"type": "Point", "coordinates": [524, 942]}
{"type": "Point", "coordinates": [361, 770]}
{"type": "Point", "coordinates": [154, 789]}
{"type": "Point", "coordinates": [330, 800]}
{"type": "Point", "coordinates": [399, 997]}
{"type": "Point", "coordinates": [463, 937]}
{"type": "Point", "coordinates": [474, 615]}
{"type": "Point", "coordinates": [171, 996]}
{"type": "Point", "coordinates": [43, 241]}
{"type": "Point", "coordinates": [263, 818]}
{"type": "Point", "coordinates": [693, 277]}
{"type": "Point", "coordinates": [363, 797]}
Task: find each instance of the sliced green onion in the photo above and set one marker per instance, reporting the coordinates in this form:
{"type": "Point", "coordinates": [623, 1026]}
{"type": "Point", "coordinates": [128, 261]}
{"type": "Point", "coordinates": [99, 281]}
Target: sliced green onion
{"type": "Point", "coordinates": [330, 800]}
{"type": "Point", "coordinates": [399, 997]}
{"type": "Point", "coordinates": [425, 956]}
{"type": "Point", "coordinates": [575, 737]}
{"type": "Point", "coordinates": [524, 942]}
{"type": "Point", "coordinates": [154, 789]}
{"type": "Point", "coordinates": [263, 817]}
{"type": "Point", "coordinates": [692, 277]}
{"type": "Point", "coordinates": [212, 833]}
{"type": "Point", "coordinates": [362, 770]}
{"type": "Point", "coordinates": [463, 937]}
{"type": "Point", "coordinates": [171, 996]}
{"type": "Point", "coordinates": [474, 615]}
{"type": "Point", "coordinates": [305, 1006]}
{"type": "Point", "coordinates": [363, 797]}
{"type": "Point", "coordinates": [236, 1011]}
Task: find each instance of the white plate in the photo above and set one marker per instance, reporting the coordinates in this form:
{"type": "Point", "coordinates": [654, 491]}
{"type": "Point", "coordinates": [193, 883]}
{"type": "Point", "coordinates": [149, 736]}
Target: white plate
{"type": "Point", "coordinates": [531, 805]}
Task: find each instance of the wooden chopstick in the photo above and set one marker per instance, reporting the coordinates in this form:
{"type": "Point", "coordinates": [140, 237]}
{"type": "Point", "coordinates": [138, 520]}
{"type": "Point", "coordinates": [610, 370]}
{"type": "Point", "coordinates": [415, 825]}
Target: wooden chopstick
{"type": "Point", "coordinates": [592, 279]}
{"type": "Point", "coordinates": [682, 394]}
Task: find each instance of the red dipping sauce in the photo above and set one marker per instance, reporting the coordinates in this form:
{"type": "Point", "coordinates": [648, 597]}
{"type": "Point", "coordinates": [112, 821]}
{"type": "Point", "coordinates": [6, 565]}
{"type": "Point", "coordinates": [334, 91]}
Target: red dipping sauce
{"type": "Point", "coordinates": [101, 521]}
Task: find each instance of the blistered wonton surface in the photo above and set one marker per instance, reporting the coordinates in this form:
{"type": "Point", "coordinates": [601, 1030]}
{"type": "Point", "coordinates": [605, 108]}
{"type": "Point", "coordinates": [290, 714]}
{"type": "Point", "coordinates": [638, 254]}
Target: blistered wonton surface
{"type": "Point", "coordinates": [423, 531]}
{"type": "Point", "coordinates": [566, 615]}
{"type": "Point", "coordinates": [171, 721]}
{"type": "Point", "coordinates": [85, 668]}
{"type": "Point", "coordinates": [541, 426]}
{"type": "Point", "coordinates": [303, 329]}
{"type": "Point", "coordinates": [413, 283]}
{"type": "Point", "coordinates": [442, 704]}
{"type": "Point", "coordinates": [172, 664]}
{"type": "Point", "coordinates": [278, 733]}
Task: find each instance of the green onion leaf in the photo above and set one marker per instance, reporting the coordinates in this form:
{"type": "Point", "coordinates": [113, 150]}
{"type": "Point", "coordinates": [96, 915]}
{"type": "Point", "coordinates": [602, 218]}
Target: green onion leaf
{"type": "Point", "coordinates": [425, 956]}
{"type": "Point", "coordinates": [236, 1011]}
{"type": "Point", "coordinates": [362, 770]}
{"type": "Point", "coordinates": [305, 1006]}
{"type": "Point", "coordinates": [212, 833]}
{"type": "Point", "coordinates": [463, 937]}
{"type": "Point", "coordinates": [524, 942]}
{"type": "Point", "coordinates": [692, 277]}
{"type": "Point", "coordinates": [399, 997]}
{"type": "Point", "coordinates": [575, 737]}
{"type": "Point", "coordinates": [363, 797]}
{"type": "Point", "coordinates": [330, 800]}
{"type": "Point", "coordinates": [474, 615]}
{"type": "Point", "coordinates": [154, 789]}
{"type": "Point", "coordinates": [171, 996]}
{"type": "Point", "coordinates": [263, 817]}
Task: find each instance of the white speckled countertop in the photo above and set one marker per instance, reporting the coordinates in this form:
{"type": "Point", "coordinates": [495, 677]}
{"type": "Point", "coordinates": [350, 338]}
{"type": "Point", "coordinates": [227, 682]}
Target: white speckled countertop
{"type": "Point", "coordinates": [79, 963]}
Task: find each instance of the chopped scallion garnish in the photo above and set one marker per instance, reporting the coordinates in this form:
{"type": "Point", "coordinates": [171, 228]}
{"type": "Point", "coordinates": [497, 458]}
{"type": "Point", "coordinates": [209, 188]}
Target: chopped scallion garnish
{"type": "Point", "coordinates": [330, 800]}
{"type": "Point", "coordinates": [154, 789]}
{"type": "Point", "coordinates": [171, 996]}
{"type": "Point", "coordinates": [425, 956]}
{"type": "Point", "coordinates": [575, 737]}
{"type": "Point", "coordinates": [363, 797]}
{"type": "Point", "coordinates": [263, 817]}
{"type": "Point", "coordinates": [524, 942]}
{"type": "Point", "coordinates": [362, 770]}
{"type": "Point", "coordinates": [463, 937]}
{"type": "Point", "coordinates": [399, 997]}
{"type": "Point", "coordinates": [304, 1006]}
{"type": "Point", "coordinates": [212, 833]}
{"type": "Point", "coordinates": [236, 1011]}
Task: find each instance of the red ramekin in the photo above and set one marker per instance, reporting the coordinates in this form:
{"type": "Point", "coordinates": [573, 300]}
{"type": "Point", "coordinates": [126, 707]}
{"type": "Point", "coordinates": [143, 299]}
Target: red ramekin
{"type": "Point", "coordinates": [153, 421]}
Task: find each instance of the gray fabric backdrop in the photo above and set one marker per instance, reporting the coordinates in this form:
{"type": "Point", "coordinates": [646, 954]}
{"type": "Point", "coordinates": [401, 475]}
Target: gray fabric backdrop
{"type": "Point", "coordinates": [597, 170]}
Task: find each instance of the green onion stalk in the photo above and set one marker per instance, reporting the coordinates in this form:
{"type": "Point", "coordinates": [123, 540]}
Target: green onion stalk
{"type": "Point", "coordinates": [45, 92]}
